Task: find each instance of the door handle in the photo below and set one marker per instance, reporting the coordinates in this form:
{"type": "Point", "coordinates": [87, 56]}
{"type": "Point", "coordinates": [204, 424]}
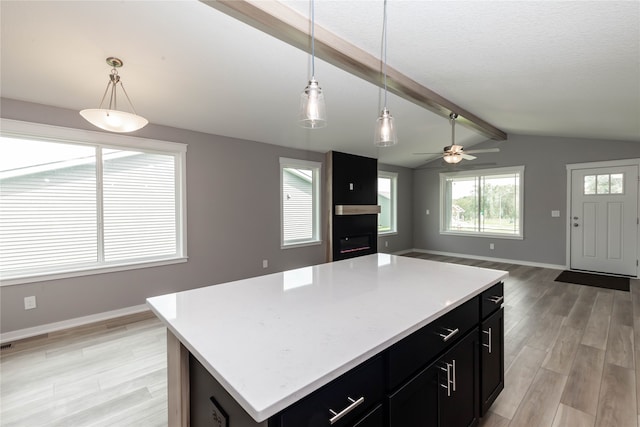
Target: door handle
{"type": "Point", "coordinates": [575, 224]}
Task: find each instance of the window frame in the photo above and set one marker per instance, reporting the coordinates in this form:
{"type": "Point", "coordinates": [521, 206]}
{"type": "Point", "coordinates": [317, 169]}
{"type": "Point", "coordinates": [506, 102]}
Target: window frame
{"type": "Point", "coordinates": [58, 134]}
{"type": "Point", "coordinates": [393, 201]}
{"type": "Point", "coordinates": [316, 168]}
{"type": "Point", "coordinates": [482, 173]}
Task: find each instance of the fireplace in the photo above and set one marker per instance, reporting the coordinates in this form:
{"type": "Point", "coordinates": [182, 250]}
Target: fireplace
{"type": "Point", "coordinates": [352, 194]}
{"type": "Point", "coordinates": [355, 244]}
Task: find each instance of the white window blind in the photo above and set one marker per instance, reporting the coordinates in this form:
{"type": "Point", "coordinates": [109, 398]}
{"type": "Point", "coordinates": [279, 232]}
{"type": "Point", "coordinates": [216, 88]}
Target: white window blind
{"type": "Point", "coordinates": [47, 206]}
{"type": "Point", "coordinates": [70, 207]}
{"type": "Point", "coordinates": [139, 205]}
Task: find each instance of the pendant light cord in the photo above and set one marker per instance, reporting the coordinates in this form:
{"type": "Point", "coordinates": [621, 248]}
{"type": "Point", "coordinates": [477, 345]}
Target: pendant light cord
{"type": "Point", "coordinates": [384, 39]}
{"type": "Point", "coordinates": [313, 40]}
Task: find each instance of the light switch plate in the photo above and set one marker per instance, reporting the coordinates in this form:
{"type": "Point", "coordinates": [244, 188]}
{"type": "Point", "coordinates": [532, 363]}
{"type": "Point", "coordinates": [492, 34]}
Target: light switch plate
{"type": "Point", "coordinates": [555, 214]}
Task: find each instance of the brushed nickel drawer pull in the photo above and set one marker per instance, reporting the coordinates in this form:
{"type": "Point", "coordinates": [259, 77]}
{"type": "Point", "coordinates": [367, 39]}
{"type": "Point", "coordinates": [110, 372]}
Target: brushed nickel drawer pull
{"type": "Point", "coordinates": [447, 368]}
{"type": "Point", "coordinates": [345, 411]}
{"type": "Point", "coordinates": [454, 374]}
{"type": "Point", "coordinates": [451, 333]}
{"type": "Point", "coordinates": [496, 299]}
{"type": "Point", "coordinates": [488, 345]}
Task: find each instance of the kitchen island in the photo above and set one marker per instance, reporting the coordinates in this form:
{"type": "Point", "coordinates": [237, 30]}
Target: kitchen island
{"type": "Point", "coordinates": [259, 351]}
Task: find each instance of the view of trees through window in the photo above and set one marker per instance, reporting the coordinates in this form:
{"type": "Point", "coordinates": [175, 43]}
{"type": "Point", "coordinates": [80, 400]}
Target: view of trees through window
{"type": "Point", "coordinates": [484, 204]}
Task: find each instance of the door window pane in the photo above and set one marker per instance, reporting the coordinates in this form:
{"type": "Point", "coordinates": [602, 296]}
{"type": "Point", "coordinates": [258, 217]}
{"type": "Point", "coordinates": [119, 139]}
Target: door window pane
{"type": "Point", "coordinates": [590, 184]}
{"type": "Point", "coordinates": [617, 183]}
{"type": "Point", "coordinates": [602, 185]}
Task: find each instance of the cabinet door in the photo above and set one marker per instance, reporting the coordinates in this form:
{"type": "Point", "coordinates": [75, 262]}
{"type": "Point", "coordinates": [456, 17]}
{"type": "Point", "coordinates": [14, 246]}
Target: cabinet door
{"type": "Point", "coordinates": [374, 418]}
{"type": "Point", "coordinates": [492, 358]}
{"type": "Point", "coordinates": [445, 394]}
{"type": "Point", "coordinates": [459, 402]}
{"type": "Point", "coordinates": [415, 404]}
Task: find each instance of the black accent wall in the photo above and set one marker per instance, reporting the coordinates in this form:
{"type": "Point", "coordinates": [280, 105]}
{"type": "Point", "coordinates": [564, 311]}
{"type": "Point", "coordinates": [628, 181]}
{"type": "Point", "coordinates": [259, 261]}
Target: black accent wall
{"type": "Point", "coordinates": [354, 181]}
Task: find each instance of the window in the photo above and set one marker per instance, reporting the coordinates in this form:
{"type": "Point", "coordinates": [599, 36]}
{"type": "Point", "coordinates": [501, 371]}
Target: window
{"type": "Point", "coordinates": [387, 199]}
{"type": "Point", "coordinates": [76, 202]}
{"type": "Point", "coordinates": [482, 203]}
{"type": "Point", "coordinates": [300, 202]}
{"type": "Point", "coordinates": [608, 183]}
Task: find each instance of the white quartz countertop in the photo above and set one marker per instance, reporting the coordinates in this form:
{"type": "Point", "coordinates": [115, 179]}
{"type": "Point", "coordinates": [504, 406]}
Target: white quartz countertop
{"type": "Point", "coordinates": [274, 339]}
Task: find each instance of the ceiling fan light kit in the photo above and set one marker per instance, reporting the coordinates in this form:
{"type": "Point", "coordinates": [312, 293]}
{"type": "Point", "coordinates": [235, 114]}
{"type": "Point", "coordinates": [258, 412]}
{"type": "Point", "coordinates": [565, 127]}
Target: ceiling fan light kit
{"type": "Point", "coordinates": [312, 113]}
{"type": "Point", "coordinates": [112, 119]}
{"type": "Point", "coordinates": [385, 134]}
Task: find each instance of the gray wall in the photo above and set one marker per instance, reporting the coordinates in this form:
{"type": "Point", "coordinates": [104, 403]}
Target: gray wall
{"type": "Point", "coordinates": [403, 239]}
{"type": "Point", "coordinates": [233, 223]}
{"type": "Point", "coordinates": [545, 189]}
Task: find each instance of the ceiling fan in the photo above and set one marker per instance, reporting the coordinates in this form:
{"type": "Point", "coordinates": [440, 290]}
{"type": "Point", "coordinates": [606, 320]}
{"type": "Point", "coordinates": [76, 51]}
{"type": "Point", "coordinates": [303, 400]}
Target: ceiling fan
{"type": "Point", "coordinates": [455, 153]}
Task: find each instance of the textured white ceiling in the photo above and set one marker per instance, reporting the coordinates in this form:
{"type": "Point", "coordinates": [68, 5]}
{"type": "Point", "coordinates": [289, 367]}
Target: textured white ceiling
{"type": "Point", "coordinates": [543, 68]}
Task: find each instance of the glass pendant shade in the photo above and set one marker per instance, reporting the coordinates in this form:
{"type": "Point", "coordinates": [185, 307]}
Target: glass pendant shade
{"type": "Point", "coordinates": [313, 113]}
{"type": "Point", "coordinates": [113, 120]}
{"type": "Point", "coordinates": [385, 130]}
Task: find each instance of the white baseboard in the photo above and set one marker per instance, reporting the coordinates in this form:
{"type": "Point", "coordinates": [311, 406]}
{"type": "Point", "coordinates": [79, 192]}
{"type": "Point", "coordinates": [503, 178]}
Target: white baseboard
{"type": "Point", "coordinates": [503, 260]}
{"type": "Point", "coordinates": [71, 323]}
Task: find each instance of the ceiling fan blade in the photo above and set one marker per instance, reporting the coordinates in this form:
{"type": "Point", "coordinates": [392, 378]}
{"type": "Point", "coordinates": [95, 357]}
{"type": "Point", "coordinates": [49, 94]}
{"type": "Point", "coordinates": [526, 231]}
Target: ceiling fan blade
{"type": "Point", "coordinates": [467, 156]}
{"type": "Point", "coordinates": [484, 150]}
{"type": "Point", "coordinates": [427, 154]}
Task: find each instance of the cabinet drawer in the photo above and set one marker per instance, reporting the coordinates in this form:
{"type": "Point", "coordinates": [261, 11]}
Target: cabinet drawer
{"type": "Point", "coordinates": [419, 348]}
{"type": "Point", "coordinates": [344, 400]}
{"type": "Point", "coordinates": [491, 299]}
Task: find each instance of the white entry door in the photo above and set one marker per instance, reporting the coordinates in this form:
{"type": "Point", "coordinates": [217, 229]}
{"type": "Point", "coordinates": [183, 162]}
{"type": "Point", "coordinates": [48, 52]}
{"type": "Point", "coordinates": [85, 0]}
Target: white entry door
{"type": "Point", "coordinates": [604, 219]}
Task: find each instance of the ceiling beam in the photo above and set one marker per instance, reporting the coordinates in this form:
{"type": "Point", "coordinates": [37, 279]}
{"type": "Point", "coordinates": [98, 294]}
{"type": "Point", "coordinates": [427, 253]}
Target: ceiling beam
{"type": "Point", "coordinates": [287, 25]}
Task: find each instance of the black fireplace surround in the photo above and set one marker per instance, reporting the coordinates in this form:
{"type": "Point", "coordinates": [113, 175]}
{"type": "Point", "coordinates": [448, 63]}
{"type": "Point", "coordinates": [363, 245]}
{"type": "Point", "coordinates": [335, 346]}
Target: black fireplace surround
{"type": "Point", "coordinates": [353, 183]}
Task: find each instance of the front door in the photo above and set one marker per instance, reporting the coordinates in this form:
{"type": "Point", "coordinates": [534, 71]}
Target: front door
{"type": "Point", "coordinates": [604, 219]}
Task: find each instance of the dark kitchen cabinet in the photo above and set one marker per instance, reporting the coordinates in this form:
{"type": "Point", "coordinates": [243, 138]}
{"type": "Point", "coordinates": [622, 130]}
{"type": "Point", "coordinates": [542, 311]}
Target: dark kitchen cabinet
{"type": "Point", "coordinates": [492, 358]}
{"type": "Point", "coordinates": [445, 394]}
{"type": "Point", "coordinates": [492, 345]}
{"type": "Point", "coordinates": [345, 402]}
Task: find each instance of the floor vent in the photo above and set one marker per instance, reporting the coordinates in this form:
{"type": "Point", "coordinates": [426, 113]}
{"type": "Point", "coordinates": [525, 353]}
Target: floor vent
{"type": "Point", "coordinates": [5, 346]}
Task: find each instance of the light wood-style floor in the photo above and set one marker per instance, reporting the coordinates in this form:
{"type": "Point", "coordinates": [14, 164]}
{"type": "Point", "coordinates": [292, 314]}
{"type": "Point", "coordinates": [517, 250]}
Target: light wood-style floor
{"type": "Point", "coordinates": [570, 359]}
{"type": "Point", "coordinates": [110, 374]}
{"type": "Point", "coordinates": [570, 352]}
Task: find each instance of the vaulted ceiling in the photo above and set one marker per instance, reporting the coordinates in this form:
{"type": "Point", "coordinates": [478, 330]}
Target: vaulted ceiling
{"type": "Point", "coordinates": [561, 68]}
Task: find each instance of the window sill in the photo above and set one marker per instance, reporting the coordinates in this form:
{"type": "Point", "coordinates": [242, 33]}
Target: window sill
{"type": "Point", "coordinates": [387, 233]}
{"type": "Point", "coordinates": [301, 244]}
{"type": "Point", "coordinates": [485, 235]}
{"type": "Point", "coordinates": [87, 271]}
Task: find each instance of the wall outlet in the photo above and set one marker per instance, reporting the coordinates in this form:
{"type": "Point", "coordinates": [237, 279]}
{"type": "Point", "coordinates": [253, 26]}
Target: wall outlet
{"type": "Point", "coordinates": [427, 211]}
{"type": "Point", "coordinates": [29, 302]}
{"type": "Point", "coordinates": [386, 243]}
{"type": "Point", "coordinates": [491, 246]}
{"type": "Point", "coordinates": [265, 263]}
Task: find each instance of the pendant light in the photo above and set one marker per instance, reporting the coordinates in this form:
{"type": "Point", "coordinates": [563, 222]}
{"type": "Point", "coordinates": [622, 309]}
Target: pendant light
{"type": "Point", "coordinates": [312, 113]}
{"type": "Point", "coordinates": [453, 155]}
{"type": "Point", "coordinates": [111, 118]}
{"type": "Point", "coordinates": [385, 135]}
